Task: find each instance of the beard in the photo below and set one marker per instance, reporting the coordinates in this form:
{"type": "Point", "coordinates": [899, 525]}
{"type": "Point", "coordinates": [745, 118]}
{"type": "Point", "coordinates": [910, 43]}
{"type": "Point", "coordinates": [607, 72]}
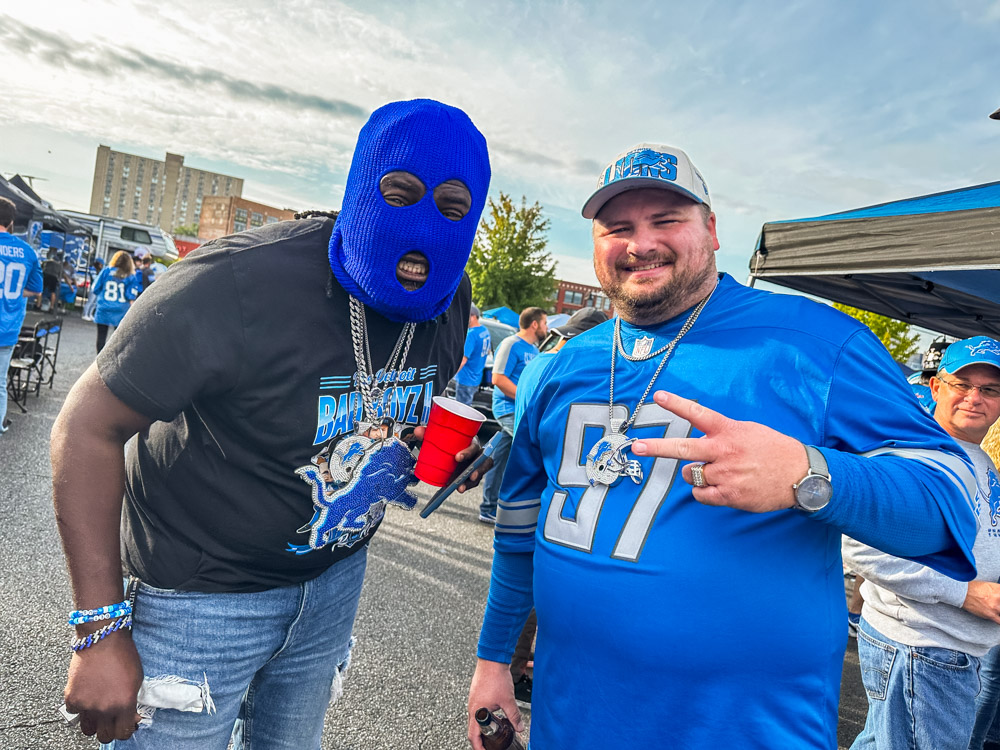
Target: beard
{"type": "Point", "coordinates": [657, 301]}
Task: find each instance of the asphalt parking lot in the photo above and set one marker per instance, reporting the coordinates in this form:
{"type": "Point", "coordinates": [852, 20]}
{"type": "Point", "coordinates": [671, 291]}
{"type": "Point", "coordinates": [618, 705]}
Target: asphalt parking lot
{"type": "Point", "coordinates": [417, 627]}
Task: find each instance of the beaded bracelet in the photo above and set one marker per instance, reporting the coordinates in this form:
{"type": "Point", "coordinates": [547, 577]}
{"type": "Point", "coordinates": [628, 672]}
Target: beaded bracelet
{"type": "Point", "coordinates": [86, 642]}
{"type": "Point", "coordinates": [81, 616]}
{"type": "Point", "coordinates": [94, 615]}
{"type": "Point", "coordinates": [120, 610]}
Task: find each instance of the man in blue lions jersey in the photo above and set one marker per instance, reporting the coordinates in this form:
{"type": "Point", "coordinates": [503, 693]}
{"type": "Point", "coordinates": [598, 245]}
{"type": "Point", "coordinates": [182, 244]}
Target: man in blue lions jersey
{"type": "Point", "coordinates": [477, 348]}
{"type": "Point", "coordinates": [513, 354]}
{"type": "Point", "coordinates": [20, 277]}
{"type": "Point", "coordinates": [712, 437]}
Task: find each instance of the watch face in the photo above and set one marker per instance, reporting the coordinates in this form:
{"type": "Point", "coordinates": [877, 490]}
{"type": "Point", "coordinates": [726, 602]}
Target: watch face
{"type": "Point", "coordinates": [814, 492]}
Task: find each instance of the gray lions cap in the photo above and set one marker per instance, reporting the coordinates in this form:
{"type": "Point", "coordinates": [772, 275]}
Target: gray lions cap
{"type": "Point", "coordinates": [648, 165]}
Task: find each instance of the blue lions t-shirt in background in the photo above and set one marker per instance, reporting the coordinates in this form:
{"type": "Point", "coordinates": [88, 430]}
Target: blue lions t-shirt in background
{"type": "Point", "coordinates": [923, 394]}
{"type": "Point", "coordinates": [19, 271]}
{"type": "Point", "coordinates": [477, 348]}
{"type": "Point", "coordinates": [114, 294]}
{"type": "Point", "coordinates": [511, 357]}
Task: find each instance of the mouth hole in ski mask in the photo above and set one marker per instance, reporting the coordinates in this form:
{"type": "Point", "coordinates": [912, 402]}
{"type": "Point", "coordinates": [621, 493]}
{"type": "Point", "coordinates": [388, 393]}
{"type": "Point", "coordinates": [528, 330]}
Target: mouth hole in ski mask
{"type": "Point", "coordinates": [453, 199]}
{"type": "Point", "coordinates": [401, 189]}
{"type": "Point", "coordinates": [412, 270]}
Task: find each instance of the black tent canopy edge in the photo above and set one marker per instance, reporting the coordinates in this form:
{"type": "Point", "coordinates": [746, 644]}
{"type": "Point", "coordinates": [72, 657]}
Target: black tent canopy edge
{"type": "Point", "coordinates": [938, 269]}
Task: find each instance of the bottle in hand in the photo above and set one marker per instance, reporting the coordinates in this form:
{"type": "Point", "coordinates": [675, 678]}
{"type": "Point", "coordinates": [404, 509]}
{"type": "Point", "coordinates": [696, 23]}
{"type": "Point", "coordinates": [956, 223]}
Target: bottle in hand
{"type": "Point", "coordinates": [496, 731]}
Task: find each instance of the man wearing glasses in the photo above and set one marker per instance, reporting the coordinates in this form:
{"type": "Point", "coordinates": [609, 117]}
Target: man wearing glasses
{"type": "Point", "coordinates": [922, 634]}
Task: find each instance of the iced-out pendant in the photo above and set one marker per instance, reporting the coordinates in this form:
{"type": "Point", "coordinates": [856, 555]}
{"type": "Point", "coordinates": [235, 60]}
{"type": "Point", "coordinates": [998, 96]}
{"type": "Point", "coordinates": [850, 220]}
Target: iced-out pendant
{"type": "Point", "coordinates": [606, 462]}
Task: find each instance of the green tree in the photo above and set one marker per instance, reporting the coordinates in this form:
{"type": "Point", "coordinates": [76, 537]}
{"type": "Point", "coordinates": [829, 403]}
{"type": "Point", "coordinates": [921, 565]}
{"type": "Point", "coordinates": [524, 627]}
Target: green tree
{"type": "Point", "coordinates": [509, 264]}
{"type": "Point", "coordinates": [189, 230]}
{"type": "Point", "coordinates": [895, 334]}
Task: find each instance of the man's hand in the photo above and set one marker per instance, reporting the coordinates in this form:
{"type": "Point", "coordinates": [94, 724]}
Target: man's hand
{"type": "Point", "coordinates": [492, 687]}
{"type": "Point", "coordinates": [983, 600]}
{"type": "Point", "coordinates": [747, 465]}
{"type": "Point", "coordinates": [463, 457]}
{"type": "Point", "coordinates": [102, 687]}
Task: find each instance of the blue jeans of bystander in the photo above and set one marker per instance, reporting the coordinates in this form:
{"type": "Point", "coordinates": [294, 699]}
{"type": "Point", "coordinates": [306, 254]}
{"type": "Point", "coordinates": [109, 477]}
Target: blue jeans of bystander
{"type": "Point", "coordinates": [465, 393]}
{"type": "Point", "coordinates": [5, 354]}
{"type": "Point", "coordinates": [987, 727]}
{"type": "Point", "coordinates": [919, 697]}
{"type": "Point", "coordinates": [491, 482]}
{"type": "Point", "coordinates": [273, 660]}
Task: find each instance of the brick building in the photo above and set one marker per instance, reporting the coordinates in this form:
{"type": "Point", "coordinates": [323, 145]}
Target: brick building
{"type": "Point", "coordinates": [570, 297]}
{"type": "Point", "coordinates": [162, 193]}
{"type": "Point", "coordinates": [221, 216]}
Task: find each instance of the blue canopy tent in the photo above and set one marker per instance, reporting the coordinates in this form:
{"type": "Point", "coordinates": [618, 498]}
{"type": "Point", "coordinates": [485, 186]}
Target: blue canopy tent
{"type": "Point", "coordinates": [504, 315]}
{"type": "Point", "coordinates": [933, 261]}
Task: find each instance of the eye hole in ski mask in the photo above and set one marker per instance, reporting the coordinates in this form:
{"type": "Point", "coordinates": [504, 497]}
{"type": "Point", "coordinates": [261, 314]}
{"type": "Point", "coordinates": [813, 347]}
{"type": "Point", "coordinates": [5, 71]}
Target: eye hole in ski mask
{"type": "Point", "coordinates": [453, 199]}
{"type": "Point", "coordinates": [401, 189]}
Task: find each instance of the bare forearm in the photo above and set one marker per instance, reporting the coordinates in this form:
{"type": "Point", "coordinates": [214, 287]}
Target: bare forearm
{"type": "Point", "coordinates": [88, 483]}
{"type": "Point", "coordinates": [506, 385]}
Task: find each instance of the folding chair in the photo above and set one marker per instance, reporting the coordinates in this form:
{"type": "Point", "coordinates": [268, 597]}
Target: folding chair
{"type": "Point", "coordinates": [51, 351]}
{"type": "Point", "coordinates": [26, 364]}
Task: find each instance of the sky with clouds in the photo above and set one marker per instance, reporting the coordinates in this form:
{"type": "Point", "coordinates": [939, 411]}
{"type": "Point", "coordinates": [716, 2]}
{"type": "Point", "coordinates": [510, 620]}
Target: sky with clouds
{"type": "Point", "coordinates": [788, 108]}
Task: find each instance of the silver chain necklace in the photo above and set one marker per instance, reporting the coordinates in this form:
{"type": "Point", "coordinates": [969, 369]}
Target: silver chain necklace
{"type": "Point", "coordinates": [606, 461]}
{"type": "Point", "coordinates": [371, 394]}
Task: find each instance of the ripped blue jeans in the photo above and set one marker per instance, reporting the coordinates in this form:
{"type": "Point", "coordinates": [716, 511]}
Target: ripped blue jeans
{"type": "Point", "coordinates": [273, 660]}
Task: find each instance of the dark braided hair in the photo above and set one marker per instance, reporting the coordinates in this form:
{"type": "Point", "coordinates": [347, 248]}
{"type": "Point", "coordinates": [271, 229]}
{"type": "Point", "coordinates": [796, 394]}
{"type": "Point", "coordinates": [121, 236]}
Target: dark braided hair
{"type": "Point", "coordinates": [313, 213]}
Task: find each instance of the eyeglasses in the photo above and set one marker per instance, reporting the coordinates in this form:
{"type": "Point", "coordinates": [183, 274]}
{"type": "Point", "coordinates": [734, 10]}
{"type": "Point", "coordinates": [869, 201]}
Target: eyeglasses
{"type": "Point", "coordinates": [986, 391]}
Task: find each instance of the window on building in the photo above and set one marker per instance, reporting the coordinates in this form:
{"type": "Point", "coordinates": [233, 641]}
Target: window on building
{"type": "Point", "coordinates": [132, 234]}
{"type": "Point", "coordinates": [573, 298]}
{"type": "Point", "coordinates": [272, 220]}
{"type": "Point", "coordinates": [240, 220]}
{"type": "Point", "coordinates": [256, 219]}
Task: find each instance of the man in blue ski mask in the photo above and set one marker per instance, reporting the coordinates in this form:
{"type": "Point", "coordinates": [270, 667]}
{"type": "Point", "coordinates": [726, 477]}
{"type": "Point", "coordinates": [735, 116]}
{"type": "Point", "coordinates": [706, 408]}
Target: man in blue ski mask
{"type": "Point", "coordinates": [270, 379]}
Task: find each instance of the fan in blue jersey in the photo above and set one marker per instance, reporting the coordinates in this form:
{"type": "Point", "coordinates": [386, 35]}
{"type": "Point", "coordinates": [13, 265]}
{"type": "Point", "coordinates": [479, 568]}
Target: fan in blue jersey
{"type": "Point", "coordinates": [928, 368]}
{"type": "Point", "coordinates": [115, 289]}
{"type": "Point", "coordinates": [764, 426]}
{"type": "Point", "coordinates": [20, 277]}
{"type": "Point", "coordinates": [513, 354]}
{"type": "Point", "coordinates": [477, 348]}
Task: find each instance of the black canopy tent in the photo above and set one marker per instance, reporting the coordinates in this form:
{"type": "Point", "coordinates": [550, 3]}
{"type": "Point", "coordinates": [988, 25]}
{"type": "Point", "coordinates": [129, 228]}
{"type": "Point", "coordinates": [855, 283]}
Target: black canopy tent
{"type": "Point", "coordinates": [29, 207]}
{"type": "Point", "coordinates": [933, 261]}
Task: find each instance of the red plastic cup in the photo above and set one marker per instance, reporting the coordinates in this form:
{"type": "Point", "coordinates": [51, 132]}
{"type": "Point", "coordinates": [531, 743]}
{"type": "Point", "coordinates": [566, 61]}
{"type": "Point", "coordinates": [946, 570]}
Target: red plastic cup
{"type": "Point", "coordinates": [450, 430]}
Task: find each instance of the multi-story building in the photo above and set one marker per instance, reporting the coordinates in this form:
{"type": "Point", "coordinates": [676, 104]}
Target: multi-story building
{"type": "Point", "coordinates": [571, 296]}
{"type": "Point", "coordinates": [221, 216]}
{"type": "Point", "coordinates": [162, 193]}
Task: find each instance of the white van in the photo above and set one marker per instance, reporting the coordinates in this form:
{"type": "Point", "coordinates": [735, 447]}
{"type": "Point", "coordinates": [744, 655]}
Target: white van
{"type": "Point", "coordinates": [111, 235]}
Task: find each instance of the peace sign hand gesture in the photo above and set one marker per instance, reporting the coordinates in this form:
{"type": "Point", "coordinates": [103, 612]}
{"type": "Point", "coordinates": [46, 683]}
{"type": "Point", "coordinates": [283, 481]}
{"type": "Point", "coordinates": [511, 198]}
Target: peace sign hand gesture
{"type": "Point", "coordinates": [747, 465]}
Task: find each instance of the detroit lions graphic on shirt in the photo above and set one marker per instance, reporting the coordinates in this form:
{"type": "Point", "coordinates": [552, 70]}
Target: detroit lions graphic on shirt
{"type": "Point", "coordinates": [354, 477]}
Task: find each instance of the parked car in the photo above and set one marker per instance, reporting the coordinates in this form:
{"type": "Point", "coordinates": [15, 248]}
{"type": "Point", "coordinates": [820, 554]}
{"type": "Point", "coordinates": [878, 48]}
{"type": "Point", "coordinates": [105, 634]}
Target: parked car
{"type": "Point", "coordinates": [483, 400]}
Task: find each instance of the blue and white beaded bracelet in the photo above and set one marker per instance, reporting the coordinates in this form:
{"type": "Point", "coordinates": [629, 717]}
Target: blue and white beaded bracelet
{"type": "Point", "coordinates": [81, 616]}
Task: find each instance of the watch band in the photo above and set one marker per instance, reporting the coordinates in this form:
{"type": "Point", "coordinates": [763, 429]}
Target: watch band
{"type": "Point", "coordinates": [817, 462]}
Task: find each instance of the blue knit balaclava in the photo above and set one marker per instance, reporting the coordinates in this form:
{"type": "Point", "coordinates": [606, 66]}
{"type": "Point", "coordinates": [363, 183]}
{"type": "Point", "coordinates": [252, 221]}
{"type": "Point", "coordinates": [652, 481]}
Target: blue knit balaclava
{"type": "Point", "coordinates": [436, 143]}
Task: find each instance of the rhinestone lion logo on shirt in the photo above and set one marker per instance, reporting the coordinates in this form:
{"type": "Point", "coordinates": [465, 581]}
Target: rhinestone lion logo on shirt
{"type": "Point", "coordinates": [353, 480]}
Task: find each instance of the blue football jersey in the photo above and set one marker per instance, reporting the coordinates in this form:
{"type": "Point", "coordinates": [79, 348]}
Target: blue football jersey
{"type": "Point", "coordinates": [530, 377]}
{"type": "Point", "coordinates": [114, 295]}
{"type": "Point", "coordinates": [477, 349]}
{"type": "Point", "coordinates": [20, 271]}
{"type": "Point", "coordinates": [511, 357]}
{"type": "Point", "coordinates": [923, 394]}
{"type": "Point", "coordinates": [662, 621]}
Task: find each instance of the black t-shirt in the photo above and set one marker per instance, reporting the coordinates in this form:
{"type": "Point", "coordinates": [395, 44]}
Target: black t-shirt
{"type": "Point", "coordinates": [243, 351]}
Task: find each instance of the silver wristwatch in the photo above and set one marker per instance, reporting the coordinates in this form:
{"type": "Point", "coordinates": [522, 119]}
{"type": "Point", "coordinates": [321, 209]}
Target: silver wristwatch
{"type": "Point", "coordinates": [815, 489]}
